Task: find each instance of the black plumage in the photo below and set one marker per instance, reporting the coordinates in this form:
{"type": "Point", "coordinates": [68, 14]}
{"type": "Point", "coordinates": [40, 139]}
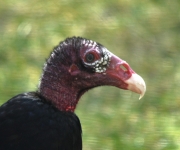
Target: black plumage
{"type": "Point", "coordinates": [29, 122]}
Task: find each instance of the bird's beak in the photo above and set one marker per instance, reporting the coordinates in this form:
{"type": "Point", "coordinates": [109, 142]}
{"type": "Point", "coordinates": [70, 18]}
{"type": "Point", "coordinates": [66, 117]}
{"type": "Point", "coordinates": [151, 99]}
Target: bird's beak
{"type": "Point", "coordinates": [136, 84]}
{"type": "Point", "coordinates": [124, 77]}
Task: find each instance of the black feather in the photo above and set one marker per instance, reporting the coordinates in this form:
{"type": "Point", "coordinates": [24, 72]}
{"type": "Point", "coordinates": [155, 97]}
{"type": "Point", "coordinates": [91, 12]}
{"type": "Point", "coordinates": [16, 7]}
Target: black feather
{"type": "Point", "coordinates": [28, 122]}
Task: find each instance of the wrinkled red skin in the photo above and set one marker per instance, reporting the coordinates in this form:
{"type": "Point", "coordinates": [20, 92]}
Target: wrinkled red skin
{"type": "Point", "coordinates": [70, 83]}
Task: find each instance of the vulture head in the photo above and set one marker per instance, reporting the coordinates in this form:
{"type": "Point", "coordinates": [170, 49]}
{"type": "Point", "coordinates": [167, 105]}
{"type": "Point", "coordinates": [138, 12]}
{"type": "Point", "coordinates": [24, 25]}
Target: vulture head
{"type": "Point", "coordinates": [77, 65]}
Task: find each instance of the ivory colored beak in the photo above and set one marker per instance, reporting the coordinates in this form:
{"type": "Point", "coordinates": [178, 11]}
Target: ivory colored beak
{"type": "Point", "coordinates": [136, 84]}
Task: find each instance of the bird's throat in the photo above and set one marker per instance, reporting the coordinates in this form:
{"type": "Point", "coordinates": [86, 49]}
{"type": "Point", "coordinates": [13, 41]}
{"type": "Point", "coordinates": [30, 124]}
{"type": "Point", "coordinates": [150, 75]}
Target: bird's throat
{"type": "Point", "coordinates": [62, 98]}
{"type": "Point", "coordinates": [59, 91]}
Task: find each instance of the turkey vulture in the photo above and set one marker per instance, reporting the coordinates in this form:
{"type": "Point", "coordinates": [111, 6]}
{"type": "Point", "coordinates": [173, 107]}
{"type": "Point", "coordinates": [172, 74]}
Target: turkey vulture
{"type": "Point", "coordinates": [45, 119]}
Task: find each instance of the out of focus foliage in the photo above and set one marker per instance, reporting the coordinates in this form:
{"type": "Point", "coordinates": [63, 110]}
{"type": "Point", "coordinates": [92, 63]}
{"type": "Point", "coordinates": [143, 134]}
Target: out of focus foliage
{"type": "Point", "coordinates": [144, 33]}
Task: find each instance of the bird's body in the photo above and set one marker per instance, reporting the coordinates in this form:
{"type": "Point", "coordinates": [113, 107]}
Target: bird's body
{"type": "Point", "coordinates": [45, 120]}
{"type": "Point", "coordinates": [35, 124]}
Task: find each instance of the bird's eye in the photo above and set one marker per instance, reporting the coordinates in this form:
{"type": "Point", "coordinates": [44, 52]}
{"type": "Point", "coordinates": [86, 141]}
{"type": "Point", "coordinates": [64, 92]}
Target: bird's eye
{"type": "Point", "coordinates": [90, 57]}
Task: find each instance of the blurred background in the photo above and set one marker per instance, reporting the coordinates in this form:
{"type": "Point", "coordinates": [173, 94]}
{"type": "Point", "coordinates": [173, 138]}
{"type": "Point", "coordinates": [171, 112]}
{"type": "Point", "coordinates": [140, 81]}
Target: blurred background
{"type": "Point", "coordinates": [144, 33]}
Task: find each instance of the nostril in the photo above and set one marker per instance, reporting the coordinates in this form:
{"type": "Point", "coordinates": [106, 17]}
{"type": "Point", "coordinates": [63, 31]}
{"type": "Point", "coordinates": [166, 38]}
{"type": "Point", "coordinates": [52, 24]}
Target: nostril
{"type": "Point", "coordinates": [124, 67]}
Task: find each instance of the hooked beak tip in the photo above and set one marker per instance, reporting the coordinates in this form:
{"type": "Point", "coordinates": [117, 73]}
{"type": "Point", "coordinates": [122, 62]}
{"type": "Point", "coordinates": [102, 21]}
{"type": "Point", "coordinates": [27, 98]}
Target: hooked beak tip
{"type": "Point", "coordinates": [136, 84]}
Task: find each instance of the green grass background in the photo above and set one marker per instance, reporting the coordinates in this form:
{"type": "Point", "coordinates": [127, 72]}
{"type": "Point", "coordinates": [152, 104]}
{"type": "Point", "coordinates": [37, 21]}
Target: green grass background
{"type": "Point", "coordinates": [144, 33]}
